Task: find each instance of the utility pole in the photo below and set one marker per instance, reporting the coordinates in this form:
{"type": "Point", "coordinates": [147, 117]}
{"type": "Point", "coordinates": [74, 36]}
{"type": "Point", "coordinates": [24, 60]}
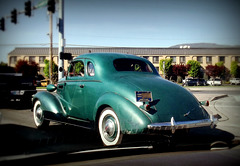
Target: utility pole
{"type": "Point", "coordinates": [61, 44]}
{"type": "Point", "coordinates": [50, 49]}
{"type": "Point", "coordinates": [51, 10]}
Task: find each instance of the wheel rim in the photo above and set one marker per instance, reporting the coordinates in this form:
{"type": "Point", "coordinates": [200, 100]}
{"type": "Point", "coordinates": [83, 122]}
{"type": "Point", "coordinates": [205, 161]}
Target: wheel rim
{"type": "Point", "coordinates": [38, 114]}
{"type": "Point", "coordinates": [109, 128]}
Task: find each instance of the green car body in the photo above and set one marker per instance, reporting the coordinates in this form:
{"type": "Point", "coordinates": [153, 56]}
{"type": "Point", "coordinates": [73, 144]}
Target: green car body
{"type": "Point", "coordinates": [138, 98]}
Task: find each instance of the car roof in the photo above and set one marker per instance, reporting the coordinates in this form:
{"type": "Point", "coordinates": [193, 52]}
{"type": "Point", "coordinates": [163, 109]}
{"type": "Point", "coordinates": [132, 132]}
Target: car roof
{"type": "Point", "coordinates": [106, 56]}
{"type": "Point", "coordinates": [106, 59]}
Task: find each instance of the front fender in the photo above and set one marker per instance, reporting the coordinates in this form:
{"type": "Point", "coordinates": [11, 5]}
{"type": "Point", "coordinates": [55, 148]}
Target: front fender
{"type": "Point", "coordinates": [132, 119]}
{"type": "Point", "coordinates": [49, 102]}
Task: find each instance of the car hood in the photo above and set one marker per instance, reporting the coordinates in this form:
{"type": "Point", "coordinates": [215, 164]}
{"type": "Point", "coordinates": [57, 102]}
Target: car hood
{"type": "Point", "coordinates": [170, 99]}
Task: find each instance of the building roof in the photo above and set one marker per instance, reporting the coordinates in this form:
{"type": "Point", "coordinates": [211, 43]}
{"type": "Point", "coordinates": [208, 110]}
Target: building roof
{"type": "Point", "coordinates": [127, 50]}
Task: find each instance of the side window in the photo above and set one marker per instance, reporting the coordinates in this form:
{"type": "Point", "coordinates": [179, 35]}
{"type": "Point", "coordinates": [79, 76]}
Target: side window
{"type": "Point", "coordinates": [90, 69]}
{"type": "Point", "coordinates": [70, 70]}
{"type": "Point", "coordinates": [76, 69]}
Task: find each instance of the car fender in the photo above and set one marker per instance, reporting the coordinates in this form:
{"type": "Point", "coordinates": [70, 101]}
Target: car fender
{"type": "Point", "coordinates": [50, 103]}
{"type": "Point", "coordinates": [132, 119]}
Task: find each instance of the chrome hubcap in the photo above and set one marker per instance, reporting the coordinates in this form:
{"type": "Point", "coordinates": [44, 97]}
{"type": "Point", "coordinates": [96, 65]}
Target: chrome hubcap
{"type": "Point", "coordinates": [39, 114]}
{"type": "Point", "coordinates": [109, 128]}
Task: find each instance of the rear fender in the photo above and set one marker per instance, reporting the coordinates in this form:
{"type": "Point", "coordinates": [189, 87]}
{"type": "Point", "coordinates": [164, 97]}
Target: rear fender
{"type": "Point", "coordinates": [49, 102]}
{"type": "Point", "coordinates": [131, 118]}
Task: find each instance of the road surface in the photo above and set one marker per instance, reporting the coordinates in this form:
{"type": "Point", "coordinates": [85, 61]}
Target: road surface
{"type": "Point", "coordinates": [21, 142]}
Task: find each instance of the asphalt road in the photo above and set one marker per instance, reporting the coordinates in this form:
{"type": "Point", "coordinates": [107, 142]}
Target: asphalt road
{"type": "Point", "coordinates": [21, 142]}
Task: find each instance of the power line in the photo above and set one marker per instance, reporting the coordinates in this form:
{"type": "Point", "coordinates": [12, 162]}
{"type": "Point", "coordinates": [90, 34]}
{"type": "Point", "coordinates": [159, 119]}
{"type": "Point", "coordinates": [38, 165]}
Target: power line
{"type": "Point", "coordinates": [42, 44]}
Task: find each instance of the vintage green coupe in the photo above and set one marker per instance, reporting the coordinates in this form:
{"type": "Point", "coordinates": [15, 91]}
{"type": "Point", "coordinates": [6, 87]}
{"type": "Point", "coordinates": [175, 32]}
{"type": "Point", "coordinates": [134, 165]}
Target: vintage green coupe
{"type": "Point", "coordinates": [118, 94]}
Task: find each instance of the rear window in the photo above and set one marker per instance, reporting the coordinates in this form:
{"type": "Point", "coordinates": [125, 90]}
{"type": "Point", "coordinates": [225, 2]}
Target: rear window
{"type": "Point", "coordinates": [131, 65]}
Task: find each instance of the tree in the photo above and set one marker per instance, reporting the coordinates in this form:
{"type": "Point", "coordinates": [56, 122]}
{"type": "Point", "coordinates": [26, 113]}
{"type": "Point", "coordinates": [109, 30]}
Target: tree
{"type": "Point", "coordinates": [221, 63]}
{"type": "Point", "coordinates": [235, 69]}
{"type": "Point", "coordinates": [4, 68]}
{"type": "Point", "coordinates": [214, 71]}
{"type": "Point", "coordinates": [54, 69]}
{"type": "Point", "coordinates": [180, 70]}
{"type": "Point", "coordinates": [168, 66]}
{"type": "Point", "coordinates": [3, 64]}
{"type": "Point", "coordinates": [195, 67]}
{"type": "Point", "coordinates": [222, 69]}
{"type": "Point", "coordinates": [27, 68]}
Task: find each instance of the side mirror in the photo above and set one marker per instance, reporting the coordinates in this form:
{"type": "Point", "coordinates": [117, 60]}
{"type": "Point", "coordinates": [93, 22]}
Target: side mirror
{"type": "Point", "coordinates": [51, 88]}
{"type": "Point", "coordinates": [205, 103]}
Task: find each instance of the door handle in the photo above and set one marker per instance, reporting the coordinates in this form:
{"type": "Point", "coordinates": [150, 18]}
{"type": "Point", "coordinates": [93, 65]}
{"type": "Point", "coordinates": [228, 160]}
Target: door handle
{"type": "Point", "coordinates": [82, 86]}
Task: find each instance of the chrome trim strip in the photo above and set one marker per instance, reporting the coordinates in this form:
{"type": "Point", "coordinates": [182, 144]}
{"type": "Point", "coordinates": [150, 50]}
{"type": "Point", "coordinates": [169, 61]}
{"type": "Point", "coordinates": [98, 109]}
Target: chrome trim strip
{"type": "Point", "coordinates": [81, 120]}
{"type": "Point", "coordinates": [173, 126]}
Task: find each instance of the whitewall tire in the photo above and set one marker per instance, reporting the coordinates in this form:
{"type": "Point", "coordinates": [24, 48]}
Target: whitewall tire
{"type": "Point", "coordinates": [109, 127]}
{"type": "Point", "coordinates": [38, 116]}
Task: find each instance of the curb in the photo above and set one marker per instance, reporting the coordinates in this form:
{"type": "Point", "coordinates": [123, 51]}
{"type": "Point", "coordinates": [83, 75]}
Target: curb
{"type": "Point", "coordinates": [218, 97]}
{"type": "Point", "coordinates": [41, 89]}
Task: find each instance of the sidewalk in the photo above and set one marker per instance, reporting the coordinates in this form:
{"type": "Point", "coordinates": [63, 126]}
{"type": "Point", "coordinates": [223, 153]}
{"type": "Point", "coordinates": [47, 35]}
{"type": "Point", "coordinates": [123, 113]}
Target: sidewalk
{"type": "Point", "coordinates": [210, 97]}
{"type": "Point", "coordinates": [213, 88]}
{"type": "Point", "coordinates": [227, 107]}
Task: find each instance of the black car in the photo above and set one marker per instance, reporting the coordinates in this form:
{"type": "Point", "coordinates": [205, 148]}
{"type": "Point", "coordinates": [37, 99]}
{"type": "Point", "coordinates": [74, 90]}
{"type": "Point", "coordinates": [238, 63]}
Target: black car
{"type": "Point", "coordinates": [14, 87]}
{"type": "Point", "coordinates": [194, 82]}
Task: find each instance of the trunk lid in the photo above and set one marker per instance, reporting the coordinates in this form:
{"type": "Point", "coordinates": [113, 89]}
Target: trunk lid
{"type": "Point", "coordinates": [171, 100]}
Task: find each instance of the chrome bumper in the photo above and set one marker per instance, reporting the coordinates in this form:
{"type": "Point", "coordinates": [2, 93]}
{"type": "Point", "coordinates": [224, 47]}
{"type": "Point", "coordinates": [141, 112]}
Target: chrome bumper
{"type": "Point", "coordinates": [173, 126]}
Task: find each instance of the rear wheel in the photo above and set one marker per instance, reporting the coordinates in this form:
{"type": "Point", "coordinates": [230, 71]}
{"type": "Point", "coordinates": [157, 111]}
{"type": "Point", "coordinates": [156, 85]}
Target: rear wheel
{"type": "Point", "coordinates": [38, 116]}
{"type": "Point", "coordinates": [109, 127]}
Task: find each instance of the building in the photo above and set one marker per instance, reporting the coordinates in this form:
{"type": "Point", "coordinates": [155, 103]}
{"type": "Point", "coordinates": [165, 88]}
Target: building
{"type": "Point", "coordinates": [206, 56]}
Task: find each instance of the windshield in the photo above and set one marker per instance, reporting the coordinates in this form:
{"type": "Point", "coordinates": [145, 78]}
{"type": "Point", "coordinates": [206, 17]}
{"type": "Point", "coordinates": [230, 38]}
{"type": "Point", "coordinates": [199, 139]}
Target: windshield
{"type": "Point", "coordinates": [131, 65]}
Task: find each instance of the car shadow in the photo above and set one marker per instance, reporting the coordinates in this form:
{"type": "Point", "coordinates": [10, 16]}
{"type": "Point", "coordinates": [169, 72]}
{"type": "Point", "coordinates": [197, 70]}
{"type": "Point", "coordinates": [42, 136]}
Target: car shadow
{"type": "Point", "coordinates": [56, 143]}
{"type": "Point", "coordinates": [17, 139]}
{"type": "Point", "coordinates": [15, 105]}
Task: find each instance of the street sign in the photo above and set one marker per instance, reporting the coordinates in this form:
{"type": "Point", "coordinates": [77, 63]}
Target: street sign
{"type": "Point", "coordinates": [42, 3]}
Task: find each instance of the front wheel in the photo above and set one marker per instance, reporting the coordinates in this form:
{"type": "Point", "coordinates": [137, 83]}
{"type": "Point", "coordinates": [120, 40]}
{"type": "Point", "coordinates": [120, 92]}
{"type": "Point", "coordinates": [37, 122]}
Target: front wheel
{"type": "Point", "coordinates": [38, 116]}
{"type": "Point", "coordinates": [109, 127]}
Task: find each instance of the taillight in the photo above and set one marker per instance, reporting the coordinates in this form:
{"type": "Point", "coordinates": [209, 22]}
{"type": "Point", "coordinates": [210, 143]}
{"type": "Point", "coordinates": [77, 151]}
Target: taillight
{"type": "Point", "coordinates": [207, 103]}
{"type": "Point", "coordinates": [147, 107]}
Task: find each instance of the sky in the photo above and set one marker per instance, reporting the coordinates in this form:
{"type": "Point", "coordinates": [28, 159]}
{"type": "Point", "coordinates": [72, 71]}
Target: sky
{"type": "Point", "coordinates": [124, 23]}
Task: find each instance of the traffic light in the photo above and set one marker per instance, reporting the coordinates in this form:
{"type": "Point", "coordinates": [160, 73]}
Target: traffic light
{"type": "Point", "coordinates": [28, 7]}
{"type": "Point", "coordinates": [2, 24]}
{"type": "Point", "coordinates": [51, 6]}
{"type": "Point", "coordinates": [14, 16]}
{"type": "Point", "coordinates": [67, 56]}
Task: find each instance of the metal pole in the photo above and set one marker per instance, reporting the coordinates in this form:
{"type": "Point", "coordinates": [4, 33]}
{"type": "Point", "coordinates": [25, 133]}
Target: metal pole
{"type": "Point", "coordinates": [164, 69]}
{"type": "Point", "coordinates": [61, 40]}
{"type": "Point", "coordinates": [51, 50]}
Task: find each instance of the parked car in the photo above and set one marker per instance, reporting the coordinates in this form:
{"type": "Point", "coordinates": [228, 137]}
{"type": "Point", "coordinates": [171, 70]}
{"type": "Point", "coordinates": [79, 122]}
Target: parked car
{"type": "Point", "coordinates": [235, 81]}
{"type": "Point", "coordinates": [39, 78]}
{"type": "Point", "coordinates": [15, 87]}
{"type": "Point", "coordinates": [45, 82]}
{"type": "Point", "coordinates": [116, 95]}
{"type": "Point", "coordinates": [194, 82]}
{"type": "Point", "coordinates": [214, 81]}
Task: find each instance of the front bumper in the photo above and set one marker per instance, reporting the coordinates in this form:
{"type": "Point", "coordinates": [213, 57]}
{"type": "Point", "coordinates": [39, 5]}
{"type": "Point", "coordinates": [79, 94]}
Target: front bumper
{"type": "Point", "coordinates": [173, 126]}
